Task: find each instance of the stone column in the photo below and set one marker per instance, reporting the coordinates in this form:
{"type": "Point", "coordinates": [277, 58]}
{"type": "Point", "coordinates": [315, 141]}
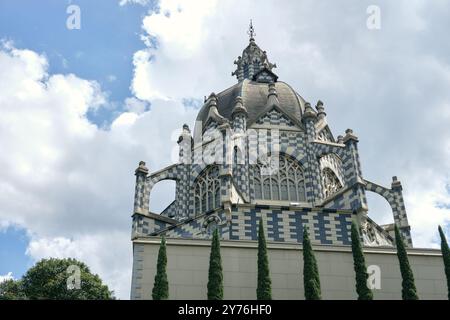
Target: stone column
{"type": "Point", "coordinates": [399, 211]}
{"type": "Point", "coordinates": [225, 172]}
{"type": "Point", "coordinates": [141, 193]}
{"type": "Point", "coordinates": [239, 146]}
{"type": "Point", "coordinates": [312, 178]}
{"type": "Point", "coordinates": [353, 176]}
{"type": "Point", "coordinates": [183, 192]}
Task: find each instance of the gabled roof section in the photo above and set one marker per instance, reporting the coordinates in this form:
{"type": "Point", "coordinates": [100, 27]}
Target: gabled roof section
{"type": "Point", "coordinates": [265, 75]}
{"type": "Point", "coordinates": [275, 116]}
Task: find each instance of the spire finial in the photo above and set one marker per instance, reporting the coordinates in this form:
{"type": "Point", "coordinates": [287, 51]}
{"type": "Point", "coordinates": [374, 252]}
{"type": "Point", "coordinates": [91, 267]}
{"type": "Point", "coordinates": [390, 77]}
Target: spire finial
{"type": "Point", "coordinates": [251, 31]}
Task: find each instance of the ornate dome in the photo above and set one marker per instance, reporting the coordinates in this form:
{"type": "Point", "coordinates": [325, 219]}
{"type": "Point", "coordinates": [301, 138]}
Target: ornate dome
{"type": "Point", "coordinates": [254, 96]}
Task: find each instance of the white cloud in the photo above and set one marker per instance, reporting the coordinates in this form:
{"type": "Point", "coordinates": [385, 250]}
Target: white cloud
{"type": "Point", "coordinates": [5, 277]}
{"type": "Point", "coordinates": [111, 78]}
{"type": "Point", "coordinates": [135, 105]}
{"type": "Point", "coordinates": [107, 254]}
{"type": "Point", "coordinates": [62, 177]}
{"type": "Point", "coordinates": [141, 2]}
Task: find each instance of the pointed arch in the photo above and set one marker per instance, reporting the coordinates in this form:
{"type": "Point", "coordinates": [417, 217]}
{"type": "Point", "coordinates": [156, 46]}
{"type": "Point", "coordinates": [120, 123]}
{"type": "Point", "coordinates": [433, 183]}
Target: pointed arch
{"type": "Point", "coordinates": [287, 183]}
{"type": "Point", "coordinates": [207, 190]}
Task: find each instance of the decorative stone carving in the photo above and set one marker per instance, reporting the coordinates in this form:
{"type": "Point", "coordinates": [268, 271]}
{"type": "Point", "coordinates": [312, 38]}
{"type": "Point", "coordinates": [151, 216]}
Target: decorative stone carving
{"type": "Point", "coordinates": [330, 181]}
{"type": "Point", "coordinates": [324, 135]}
{"type": "Point", "coordinates": [372, 236]}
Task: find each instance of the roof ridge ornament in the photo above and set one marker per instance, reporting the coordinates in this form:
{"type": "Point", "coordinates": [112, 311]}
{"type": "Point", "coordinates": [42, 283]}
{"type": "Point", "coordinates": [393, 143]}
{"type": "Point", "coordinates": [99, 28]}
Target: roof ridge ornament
{"type": "Point", "coordinates": [272, 97]}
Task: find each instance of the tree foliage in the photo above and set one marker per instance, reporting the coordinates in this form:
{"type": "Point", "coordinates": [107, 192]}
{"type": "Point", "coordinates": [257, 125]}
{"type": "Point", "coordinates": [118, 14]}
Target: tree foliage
{"type": "Point", "coordinates": [311, 280]}
{"type": "Point", "coordinates": [56, 279]}
{"type": "Point", "coordinates": [264, 290]}
{"type": "Point", "coordinates": [215, 276]}
{"type": "Point", "coordinates": [161, 284]}
{"type": "Point", "coordinates": [409, 291]}
{"type": "Point", "coordinates": [359, 263]}
{"type": "Point", "coordinates": [11, 290]}
{"type": "Point", "coordinates": [446, 256]}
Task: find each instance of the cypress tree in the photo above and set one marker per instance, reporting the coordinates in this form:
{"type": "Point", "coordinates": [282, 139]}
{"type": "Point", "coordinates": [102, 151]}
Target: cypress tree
{"type": "Point", "coordinates": [161, 285]}
{"type": "Point", "coordinates": [215, 277]}
{"type": "Point", "coordinates": [409, 291]}
{"type": "Point", "coordinates": [446, 256]}
{"type": "Point", "coordinates": [359, 263]}
{"type": "Point", "coordinates": [311, 279]}
{"type": "Point", "coordinates": [264, 290]}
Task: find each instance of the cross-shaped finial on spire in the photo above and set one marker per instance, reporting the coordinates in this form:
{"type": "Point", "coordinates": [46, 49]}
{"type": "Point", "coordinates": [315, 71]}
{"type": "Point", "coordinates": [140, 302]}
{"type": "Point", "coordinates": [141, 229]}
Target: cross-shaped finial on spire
{"type": "Point", "coordinates": [251, 31]}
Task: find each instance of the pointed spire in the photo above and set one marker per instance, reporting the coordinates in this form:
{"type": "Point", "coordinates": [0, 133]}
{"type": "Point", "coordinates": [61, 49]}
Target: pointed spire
{"type": "Point", "coordinates": [272, 97]}
{"type": "Point", "coordinates": [251, 31]}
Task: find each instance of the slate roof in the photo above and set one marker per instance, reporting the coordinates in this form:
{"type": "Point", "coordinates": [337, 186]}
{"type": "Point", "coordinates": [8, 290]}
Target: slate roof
{"type": "Point", "coordinates": [254, 98]}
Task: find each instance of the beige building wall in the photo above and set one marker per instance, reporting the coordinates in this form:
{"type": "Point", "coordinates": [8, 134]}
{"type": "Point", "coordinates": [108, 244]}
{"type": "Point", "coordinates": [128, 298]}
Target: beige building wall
{"type": "Point", "coordinates": [188, 262]}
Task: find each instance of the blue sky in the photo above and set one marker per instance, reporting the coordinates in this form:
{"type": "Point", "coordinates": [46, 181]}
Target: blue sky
{"type": "Point", "coordinates": [101, 50]}
{"type": "Point", "coordinates": [13, 244]}
{"type": "Point", "coordinates": [80, 104]}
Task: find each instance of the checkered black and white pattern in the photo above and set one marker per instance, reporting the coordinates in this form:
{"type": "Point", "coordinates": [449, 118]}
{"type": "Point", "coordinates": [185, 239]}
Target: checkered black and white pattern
{"type": "Point", "coordinates": [308, 141]}
{"type": "Point", "coordinates": [394, 197]}
{"type": "Point", "coordinates": [326, 226]}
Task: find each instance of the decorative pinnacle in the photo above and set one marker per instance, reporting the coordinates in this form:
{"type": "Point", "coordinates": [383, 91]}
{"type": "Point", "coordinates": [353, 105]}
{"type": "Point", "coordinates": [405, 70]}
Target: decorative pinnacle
{"type": "Point", "coordinates": [213, 100]}
{"type": "Point", "coordinates": [349, 135]}
{"type": "Point", "coordinates": [309, 111]}
{"type": "Point", "coordinates": [238, 106]}
{"type": "Point", "coordinates": [272, 89]}
{"type": "Point", "coordinates": [251, 31]}
{"type": "Point", "coordinates": [186, 132]}
{"type": "Point", "coordinates": [142, 169]}
{"type": "Point", "coordinates": [186, 128]}
{"type": "Point", "coordinates": [320, 109]}
{"type": "Point", "coordinates": [396, 184]}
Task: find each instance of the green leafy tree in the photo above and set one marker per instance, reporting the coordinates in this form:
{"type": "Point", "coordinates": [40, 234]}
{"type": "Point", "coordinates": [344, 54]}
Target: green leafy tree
{"type": "Point", "coordinates": [11, 290]}
{"type": "Point", "coordinates": [359, 263]}
{"type": "Point", "coordinates": [215, 276]}
{"type": "Point", "coordinates": [311, 280]}
{"type": "Point", "coordinates": [264, 290]}
{"type": "Point", "coordinates": [161, 284]}
{"type": "Point", "coordinates": [409, 291]}
{"type": "Point", "coordinates": [446, 256]}
{"type": "Point", "coordinates": [58, 279]}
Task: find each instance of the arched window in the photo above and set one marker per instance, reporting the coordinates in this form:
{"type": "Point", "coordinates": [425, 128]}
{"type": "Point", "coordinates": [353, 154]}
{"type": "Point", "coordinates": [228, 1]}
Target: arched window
{"type": "Point", "coordinates": [287, 183]}
{"type": "Point", "coordinates": [330, 182]}
{"type": "Point", "coordinates": [207, 190]}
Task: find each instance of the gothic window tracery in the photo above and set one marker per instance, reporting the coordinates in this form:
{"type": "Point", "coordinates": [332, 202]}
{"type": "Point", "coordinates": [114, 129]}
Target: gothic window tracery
{"type": "Point", "coordinates": [330, 182]}
{"type": "Point", "coordinates": [324, 135]}
{"type": "Point", "coordinates": [286, 184]}
{"type": "Point", "coordinates": [207, 190]}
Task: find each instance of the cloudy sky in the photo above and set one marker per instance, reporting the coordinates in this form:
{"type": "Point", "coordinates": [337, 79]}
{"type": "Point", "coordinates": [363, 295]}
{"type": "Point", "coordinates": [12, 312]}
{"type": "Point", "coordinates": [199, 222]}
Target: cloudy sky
{"type": "Point", "coordinates": [79, 108]}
